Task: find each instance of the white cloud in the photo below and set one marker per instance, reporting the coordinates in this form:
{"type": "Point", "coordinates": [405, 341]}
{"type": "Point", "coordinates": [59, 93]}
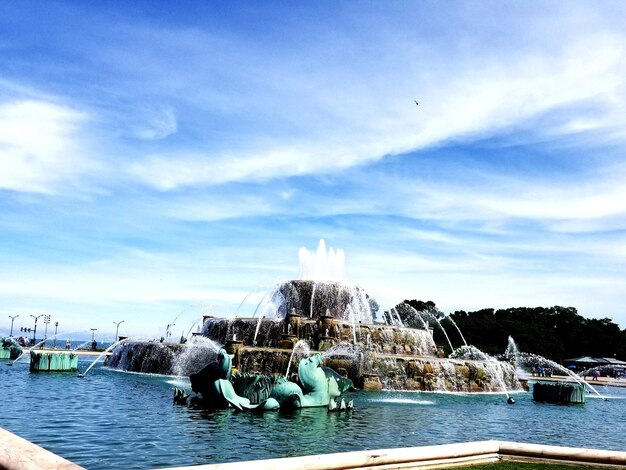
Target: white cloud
{"type": "Point", "coordinates": [155, 124]}
{"type": "Point", "coordinates": [39, 146]}
{"type": "Point", "coordinates": [369, 122]}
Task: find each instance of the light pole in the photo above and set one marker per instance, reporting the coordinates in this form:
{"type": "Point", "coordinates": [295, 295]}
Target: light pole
{"type": "Point", "coordinates": [56, 326]}
{"type": "Point", "coordinates": [46, 320]}
{"type": "Point", "coordinates": [93, 338]}
{"type": "Point", "coordinates": [35, 329]}
{"type": "Point", "coordinates": [117, 328]}
{"type": "Point", "coordinates": [12, 317]}
{"type": "Point", "coordinates": [168, 331]}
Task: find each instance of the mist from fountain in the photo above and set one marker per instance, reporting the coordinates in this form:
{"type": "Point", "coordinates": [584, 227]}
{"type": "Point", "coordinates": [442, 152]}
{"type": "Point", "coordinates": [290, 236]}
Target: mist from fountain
{"type": "Point", "coordinates": [243, 302]}
{"type": "Point", "coordinates": [195, 354]}
{"type": "Point", "coordinates": [448, 317]}
{"type": "Point", "coordinates": [342, 349]}
{"type": "Point", "coordinates": [395, 318]}
{"type": "Point", "coordinates": [445, 333]}
{"type": "Point", "coordinates": [110, 348]}
{"type": "Point", "coordinates": [417, 314]}
{"type": "Point", "coordinates": [323, 265]}
{"type": "Point", "coordinates": [351, 319]}
{"type": "Point", "coordinates": [256, 331]}
{"type": "Point", "coordinates": [269, 310]}
{"type": "Point", "coordinates": [193, 324]}
{"type": "Point", "coordinates": [433, 316]}
{"type": "Point", "coordinates": [302, 345]}
{"type": "Point", "coordinates": [511, 349]}
{"type": "Point", "coordinates": [492, 365]}
{"type": "Point", "coordinates": [312, 300]}
{"type": "Point", "coordinates": [259, 305]}
{"type": "Point", "coordinates": [532, 361]}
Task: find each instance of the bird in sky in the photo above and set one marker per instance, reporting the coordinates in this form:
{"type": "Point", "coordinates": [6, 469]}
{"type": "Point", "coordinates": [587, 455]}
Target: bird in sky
{"type": "Point", "coordinates": [416, 102]}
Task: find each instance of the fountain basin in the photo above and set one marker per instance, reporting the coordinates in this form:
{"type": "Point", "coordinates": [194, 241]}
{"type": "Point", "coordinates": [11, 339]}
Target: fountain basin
{"type": "Point", "coordinates": [152, 357]}
{"type": "Point", "coordinates": [559, 392]}
{"type": "Point", "coordinates": [367, 369]}
{"type": "Point", "coordinates": [53, 361]}
{"type": "Point", "coordinates": [9, 349]}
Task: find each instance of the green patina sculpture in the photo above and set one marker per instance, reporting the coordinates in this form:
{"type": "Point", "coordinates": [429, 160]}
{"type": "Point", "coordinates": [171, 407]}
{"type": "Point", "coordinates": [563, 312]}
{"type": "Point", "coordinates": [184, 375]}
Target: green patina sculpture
{"type": "Point", "coordinates": [9, 349]}
{"type": "Point", "coordinates": [53, 361]}
{"type": "Point", "coordinates": [320, 386]}
{"type": "Point", "coordinates": [317, 388]}
{"type": "Point", "coordinates": [213, 383]}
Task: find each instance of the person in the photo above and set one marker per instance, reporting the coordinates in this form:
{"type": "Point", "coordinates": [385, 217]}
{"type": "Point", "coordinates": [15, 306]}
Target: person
{"type": "Point", "coordinates": [68, 344]}
{"type": "Point", "coordinates": [596, 374]}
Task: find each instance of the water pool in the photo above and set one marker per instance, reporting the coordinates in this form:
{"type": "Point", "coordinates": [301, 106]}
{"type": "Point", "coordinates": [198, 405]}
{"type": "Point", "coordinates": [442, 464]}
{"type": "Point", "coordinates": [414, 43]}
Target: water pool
{"type": "Point", "coordinates": [123, 420]}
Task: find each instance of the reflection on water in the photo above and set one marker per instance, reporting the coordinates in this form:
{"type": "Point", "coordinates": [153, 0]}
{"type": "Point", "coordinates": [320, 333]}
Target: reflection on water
{"type": "Point", "coordinates": [112, 419]}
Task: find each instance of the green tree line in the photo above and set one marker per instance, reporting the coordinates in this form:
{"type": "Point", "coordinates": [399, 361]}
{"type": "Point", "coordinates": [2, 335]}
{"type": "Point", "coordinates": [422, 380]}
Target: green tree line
{"type": "Point", "coordinates": [556, 333]}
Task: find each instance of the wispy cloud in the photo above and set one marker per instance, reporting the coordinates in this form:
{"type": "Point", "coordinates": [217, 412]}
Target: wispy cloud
{"type": "Point", "coordinates": [488, 96]}
{"type": "Point", "coordinates": [155, 123]}
{"type": "Point", "coordinates": [39, 143]}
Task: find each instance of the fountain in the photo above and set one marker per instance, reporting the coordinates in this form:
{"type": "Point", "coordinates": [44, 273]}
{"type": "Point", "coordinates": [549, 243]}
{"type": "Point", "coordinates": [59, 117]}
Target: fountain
{"type": "Point", "coordinates": [554, 392]}
{"type": "Point", "coordinates": [101, 356]}
{"type": "Point", "coordinates": [496, 369]}
{"type": "Point", "coordinates": [9, 348]}
{"type": "Point", "coordinates": [218, 387]}
{"type": "Point", "coordinates": [57, 361]}
{"type": "Point", "coordinates": [300, 345]}
{"type": "Point", "coordinates": [329, 314]}
{"type": "Point", "coordinates": [155, 357]}
{"type": "Point", "coordinates": [334, 319]}
{"type": "Point", "coordinates": [24, 351]}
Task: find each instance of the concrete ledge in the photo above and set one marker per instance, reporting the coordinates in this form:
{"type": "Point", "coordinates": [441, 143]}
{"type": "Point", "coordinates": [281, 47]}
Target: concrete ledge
{"type": "Point", "coordinates": [564, 454]}
{"type": "Point", "coordinates": [19, 454]}
{"type": "Point", "coordinates": [466, 453]}
{"type": "Point", "coordinates": [441, 456]}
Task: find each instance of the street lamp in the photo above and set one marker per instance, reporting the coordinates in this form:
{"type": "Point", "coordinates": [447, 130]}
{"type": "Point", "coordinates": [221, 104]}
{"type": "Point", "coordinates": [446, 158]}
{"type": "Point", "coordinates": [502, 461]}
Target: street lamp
{"type": "Point", "coordinates": [46, 320]}
{"type": "Point", "coordinates": [35, 329]}
{"type": "Point", "coordinates": [117, 328]}
{"type": "Point", "coordinates": [93, 336]}
{"type": "Point", "coordinates": [12, 317]}
{"type": "Point", "coordinates": [56, 326]}
{"type": "Point", "coordinates": [168, 331]}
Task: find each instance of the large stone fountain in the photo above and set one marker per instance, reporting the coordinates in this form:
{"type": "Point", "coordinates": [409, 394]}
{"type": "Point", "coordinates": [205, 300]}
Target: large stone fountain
{"type": "Point", "coordinates": [334, 319]}
{"type": "Point", "coordinates": [327, 317]}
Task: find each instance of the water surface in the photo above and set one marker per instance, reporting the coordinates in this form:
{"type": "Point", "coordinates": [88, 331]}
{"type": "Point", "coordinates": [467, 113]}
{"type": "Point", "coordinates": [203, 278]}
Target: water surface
{"type": "Point", "coordinates": [112, 419]}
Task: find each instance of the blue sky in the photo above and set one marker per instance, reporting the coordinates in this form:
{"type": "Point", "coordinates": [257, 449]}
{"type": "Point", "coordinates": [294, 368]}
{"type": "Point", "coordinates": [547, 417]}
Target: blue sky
{"type": "Point", "coordinates": [160, 160]}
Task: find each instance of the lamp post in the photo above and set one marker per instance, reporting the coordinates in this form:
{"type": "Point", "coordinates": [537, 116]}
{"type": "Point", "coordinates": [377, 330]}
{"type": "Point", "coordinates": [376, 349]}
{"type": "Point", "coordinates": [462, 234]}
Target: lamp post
{"type": "Point", "coordinates": [35, 329]}
{"type": "Point", "coordinates": [93, 338]}
{"type": "Point", "coordinates": [56, 326]}
{"type": "Point", "coordinates": [12, 317]}
{"type": "Point", "coordinates": [117, 328]}
{"type": "Point", "coordinates": [46, 320]}
{"type": "Point", "coordinates": [168, 331]}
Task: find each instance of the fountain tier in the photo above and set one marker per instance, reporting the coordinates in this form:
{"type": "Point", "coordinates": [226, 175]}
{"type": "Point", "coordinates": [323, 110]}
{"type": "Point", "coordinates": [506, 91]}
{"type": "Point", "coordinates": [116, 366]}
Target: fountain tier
{"type": "Point", "coordinates": [314, 299]}
{"type": "Point", "coordinates": [333, 319]}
